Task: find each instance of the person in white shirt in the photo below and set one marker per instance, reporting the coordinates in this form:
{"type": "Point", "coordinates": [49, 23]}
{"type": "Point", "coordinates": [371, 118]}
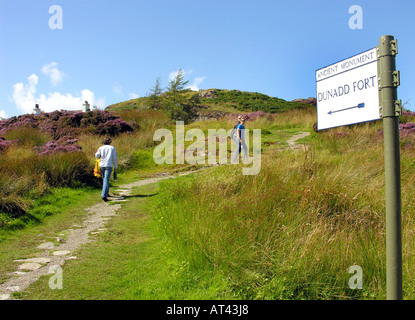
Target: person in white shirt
{"type": "Point", "coordinates": [108, 156]}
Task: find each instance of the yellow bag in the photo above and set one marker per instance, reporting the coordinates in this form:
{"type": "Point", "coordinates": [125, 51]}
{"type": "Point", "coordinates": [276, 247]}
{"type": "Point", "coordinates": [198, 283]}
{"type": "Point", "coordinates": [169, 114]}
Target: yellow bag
{"type": "Point", "coordinates": [97, 170]}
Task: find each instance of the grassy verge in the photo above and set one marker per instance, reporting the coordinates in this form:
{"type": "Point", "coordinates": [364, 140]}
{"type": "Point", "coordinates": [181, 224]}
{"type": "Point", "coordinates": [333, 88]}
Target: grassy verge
{"type": "Point", "coordinates": [294, 230]}
{"type": "Point", "coordinates": [56, 212]}
{"type": "Point", "coordinates": [290, 232]}
{"type": "Point", "coordinates": [130, 261]}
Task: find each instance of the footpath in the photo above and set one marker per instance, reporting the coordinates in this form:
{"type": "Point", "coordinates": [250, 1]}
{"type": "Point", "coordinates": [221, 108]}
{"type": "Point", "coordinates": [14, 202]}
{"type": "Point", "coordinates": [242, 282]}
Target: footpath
{"type": "Point", "coordinates": [51, 257]}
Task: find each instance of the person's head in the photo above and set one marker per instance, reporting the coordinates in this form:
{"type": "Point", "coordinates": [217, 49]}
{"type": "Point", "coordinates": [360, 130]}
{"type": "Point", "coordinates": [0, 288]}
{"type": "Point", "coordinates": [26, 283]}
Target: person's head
{"type": "Point", "coordinates": [242, 120]}
{"type": "Point", "coordinates": [107, 140]}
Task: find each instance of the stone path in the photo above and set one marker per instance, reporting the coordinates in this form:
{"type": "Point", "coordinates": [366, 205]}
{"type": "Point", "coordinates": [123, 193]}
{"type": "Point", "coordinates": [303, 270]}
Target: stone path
{"type": "Point", "coordinates": [292, 142]}
{"type": "Point", "coordinates": [50, 257]}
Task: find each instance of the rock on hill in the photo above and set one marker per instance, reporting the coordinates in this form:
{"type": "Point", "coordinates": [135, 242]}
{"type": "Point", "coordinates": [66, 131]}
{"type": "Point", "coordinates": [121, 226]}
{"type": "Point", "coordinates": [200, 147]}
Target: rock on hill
{"type": "Point", "coordinates": [310, 101]}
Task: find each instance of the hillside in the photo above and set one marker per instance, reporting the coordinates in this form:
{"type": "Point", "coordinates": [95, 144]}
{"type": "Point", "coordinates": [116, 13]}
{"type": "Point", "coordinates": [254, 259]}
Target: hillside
{"type": "Point", "coordinates": [292, 231]}
{"type": "Point", "coordinates": [214, 103]}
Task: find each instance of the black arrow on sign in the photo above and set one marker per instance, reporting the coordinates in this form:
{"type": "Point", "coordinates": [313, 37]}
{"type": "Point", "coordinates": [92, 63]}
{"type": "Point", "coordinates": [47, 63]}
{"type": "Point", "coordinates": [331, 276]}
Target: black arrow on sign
{"type": "Point", "coordinates": [360, 105]}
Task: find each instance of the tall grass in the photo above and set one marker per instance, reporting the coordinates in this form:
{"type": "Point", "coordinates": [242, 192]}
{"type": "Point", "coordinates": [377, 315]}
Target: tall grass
{"type": "Point", "coordinates": [294, 230]}
{"type": "Point", "coordinates": [28, 136]}
{"type": "Point", "coordinates": [131, 146]}
{"type": "Point", "coordinates": [25, 175]}
{"type": "Point", "coordinates": [297, 118]}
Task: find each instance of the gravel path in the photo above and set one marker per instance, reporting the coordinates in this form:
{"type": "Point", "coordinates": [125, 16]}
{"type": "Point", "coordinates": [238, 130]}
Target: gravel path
{"type": "Point", "coordinates": [51, 258]}
{"type": "Point", "coordinates": [292, 142]}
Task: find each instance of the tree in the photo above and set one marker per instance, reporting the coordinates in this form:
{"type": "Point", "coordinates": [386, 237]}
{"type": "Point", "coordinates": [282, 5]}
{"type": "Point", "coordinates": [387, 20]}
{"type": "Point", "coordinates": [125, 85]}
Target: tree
{"type": "Point", "coordinates": [178, 103]}
{"type": "Point", "coordinates": [153, 96]}
{"type": "Point", "coordinates": [186, 110]}
{"type": "Point", "coordinates": [175, 85]}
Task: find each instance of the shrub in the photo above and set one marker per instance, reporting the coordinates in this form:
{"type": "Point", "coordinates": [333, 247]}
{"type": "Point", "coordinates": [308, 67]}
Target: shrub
{"type": "Point", "coordinates": [407, 116]}
{"type": "Point", "coordinates": [42, 151]}
{"type": "Point", "coordinates": [63, 123]}
{"type": "Point", "coordinates": [32, 175]}
{"type": "Point", "coordinates": [407, 128]}
{"type": "Point", "coordinates": [64, 169]}
{"type": "Point", "coordinates": [27, 136]}
{"type": "Point", "coordinates": [13, 206]}
{"type": "Point", "coordinates": [4, 144]}
{"type": "Point", "coordinates": [406, 131]}
{"type": "Point", "coordinates": [64, 144]}
{"type": "Point", "coordinates": [11, 187]}
{"type": "Point", "coordinates": [113, 127]}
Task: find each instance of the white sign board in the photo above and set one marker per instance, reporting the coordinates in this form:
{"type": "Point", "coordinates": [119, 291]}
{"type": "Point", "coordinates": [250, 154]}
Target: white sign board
{"type": "Point", "coordinates": [347, 91]}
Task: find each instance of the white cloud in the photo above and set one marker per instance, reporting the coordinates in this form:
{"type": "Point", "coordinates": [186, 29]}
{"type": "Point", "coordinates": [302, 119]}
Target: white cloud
{"type": "Point", "coordinates": [53, 73]}
{"type": "Point", "coordinates": [196, 83]}
{"type": "Point", "coordinates": [24, 96]}
{"type": "Point", "coordinates": [3, 114]}
{"type": "Point", "coordinates": [134, 95]}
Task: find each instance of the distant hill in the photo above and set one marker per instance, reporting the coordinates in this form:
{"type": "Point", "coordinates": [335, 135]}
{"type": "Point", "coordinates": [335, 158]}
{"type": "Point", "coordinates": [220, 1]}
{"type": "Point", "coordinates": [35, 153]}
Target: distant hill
{"type": "Point", "coordinates": [222, 101]}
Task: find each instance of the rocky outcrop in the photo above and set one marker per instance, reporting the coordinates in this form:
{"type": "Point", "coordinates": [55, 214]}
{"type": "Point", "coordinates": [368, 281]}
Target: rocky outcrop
{"type": "Point", "coordinates": [311, 101]}
{"type": "Point", "coordinates": [210, 94]}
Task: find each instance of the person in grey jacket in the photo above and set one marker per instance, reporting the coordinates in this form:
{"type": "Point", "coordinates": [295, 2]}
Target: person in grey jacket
{"type": "Point", "coordinates": [108, 156]}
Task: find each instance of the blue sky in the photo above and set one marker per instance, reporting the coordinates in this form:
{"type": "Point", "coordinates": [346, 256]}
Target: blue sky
{"type": "Point", "coordinates": [110, 51]}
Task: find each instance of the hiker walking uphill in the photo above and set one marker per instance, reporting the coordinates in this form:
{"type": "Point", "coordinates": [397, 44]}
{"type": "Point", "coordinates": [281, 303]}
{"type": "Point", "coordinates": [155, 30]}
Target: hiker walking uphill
{"type": "Point", "coordinates": [108, 156]}
{"type": "Point", "coordinates": [234, 130]}
{"type": "Point", "coordinates": [240, 141]}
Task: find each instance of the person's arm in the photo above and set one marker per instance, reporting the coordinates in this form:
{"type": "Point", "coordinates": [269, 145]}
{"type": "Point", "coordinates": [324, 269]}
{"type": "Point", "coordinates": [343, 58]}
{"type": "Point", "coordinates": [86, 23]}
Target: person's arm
{"type": "Point", "coordinates": [98, 154]}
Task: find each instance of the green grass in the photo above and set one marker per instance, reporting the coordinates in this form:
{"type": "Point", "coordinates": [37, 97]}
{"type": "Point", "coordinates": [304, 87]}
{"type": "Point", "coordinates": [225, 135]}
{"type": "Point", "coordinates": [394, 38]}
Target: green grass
{"type": "Point", "coordinates": [226, 101]}
{"type": "Point", "coordinates": [251, 101]}
{"type": "Point", "coordinates": [27, 136]}
{"type": "Point", "coordinates": [46, 206]}
{"type": "Point", "coordinates": [294, 230]}
{"type": "Point", "coordinates": [130, 261]}
{"type": "Point", "coordinates": [26, 176]}
{"type": "Point", "coordinates": [290, 232]}
{"type": "Point", "coordinates": [53, 213]}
